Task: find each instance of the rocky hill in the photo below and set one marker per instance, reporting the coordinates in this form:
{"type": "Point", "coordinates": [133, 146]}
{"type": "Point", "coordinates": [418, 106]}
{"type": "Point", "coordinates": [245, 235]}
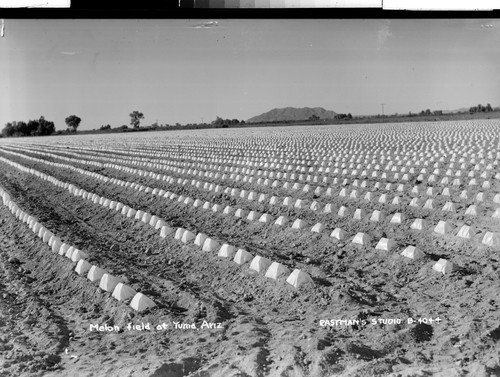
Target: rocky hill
{"type": "Point", "coordinates": [292, 113]}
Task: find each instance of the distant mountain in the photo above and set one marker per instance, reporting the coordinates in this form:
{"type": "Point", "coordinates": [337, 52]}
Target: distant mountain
{"type": "Point", "coordinates": [461, 110]}
{"type": "Point", "coordinates": [292, 113]}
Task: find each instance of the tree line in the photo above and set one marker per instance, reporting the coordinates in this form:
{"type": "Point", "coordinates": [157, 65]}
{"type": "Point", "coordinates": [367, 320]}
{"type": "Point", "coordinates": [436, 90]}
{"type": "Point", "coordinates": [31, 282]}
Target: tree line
{"type": "Point", "coordinates": [37, 127]}
{"type": "Point", "coordinates": [223, 123]}
{"type": "Point", "coordinates": [480, 108]}
{"type": "Point", "coordinates": [41, 126]}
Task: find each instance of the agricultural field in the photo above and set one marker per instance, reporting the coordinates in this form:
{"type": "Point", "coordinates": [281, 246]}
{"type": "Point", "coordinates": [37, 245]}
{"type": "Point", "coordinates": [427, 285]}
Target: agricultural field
{"type": "Point", "coordinates": [358, 250]}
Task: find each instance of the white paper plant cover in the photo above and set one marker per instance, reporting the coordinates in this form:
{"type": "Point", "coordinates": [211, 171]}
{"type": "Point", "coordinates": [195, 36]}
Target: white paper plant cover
{"type": "Point", "coordinates": [359, 214]}
{"type": "Point", "coordinates": [299, 224]}
{"type": "Point", "coordinates": [377, 216]}
{"type": "Point", "coordinates": [496, 214]}
{"type": "Point", "coordinates": [227, 251]}
{"type": "Point", "coordinates": [200, 239]}
{"type": "Point", "coordinates": [449, 207]}
{"type": "Point", "coordinates": [298, 278]}
{"type": "Point", "coordinates": [260, 264]}
{"type": "Point", "coordinates": [343, 211]}
{"type": "Point", "coordinates": [187, 236]}
{"type": "Point", "coordinates": [386, 244]}
{"type": "Point", "coordinates": [178, 233]}
{"type": "Point", "coordinates": [153, 220]}
{"type": "Point", "coordinates": [317, 228]}
{"type": "Point", "coordinates": [361, 239]}
{"type": "Point", "coordinates": [491, 239]}
{"type": "Point", "coordinates": [443, 227]}
{"type": "Point", "coordinates": [141, 302]}
{"type": "Point", "coordinates": [338, 233]}
{"type": "Point", "coordinates": [412, 252]}
{"type": "Point", "coordinates": [253, 215]}
{"type": "Point", "coordinates": [328, 208]}
{"type": "Point", "coordinates": [282, 221]}
{"type": "Point", "coordinates": [82, 267]}
{"type": "Point", "coordinates": [240, 213]}
{"type": "Point", "coordinates": [95, 274]}
{"type": "Point", "coordinates": [444, 266]}
{"type": "Point", "coordinates": [466, 232]}
{"type": "Point", "coordinates": [210, 245]}
{"type": "Point", "coordinates": [418, 224]}
{"type": "Point", "coordinates": [165, 231]}
{"type": "Point", "coordinates": [123, 292]}
{"type": "Point", "coordinates": [397, 218]}
{"type": "Point", "coordinates": [276, 270]}
{"type": "Point", "coordinates": [266, 218]}
{"type": "Point", "coordinates": [108, 282]}
{"type": "Point", "coordinates": [242, 256]}
{"type": "Point", "coordinates": [138, 215]}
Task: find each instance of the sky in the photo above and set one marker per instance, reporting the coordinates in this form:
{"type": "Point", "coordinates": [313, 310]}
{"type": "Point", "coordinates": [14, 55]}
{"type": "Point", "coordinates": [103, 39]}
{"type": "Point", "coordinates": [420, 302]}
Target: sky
{"type": "Point", "coordinates": [189, 71]}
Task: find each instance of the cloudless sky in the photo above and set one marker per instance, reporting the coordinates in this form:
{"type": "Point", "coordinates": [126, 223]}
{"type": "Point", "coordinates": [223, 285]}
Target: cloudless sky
{"type": "Point", "coordinates": [172, 71]}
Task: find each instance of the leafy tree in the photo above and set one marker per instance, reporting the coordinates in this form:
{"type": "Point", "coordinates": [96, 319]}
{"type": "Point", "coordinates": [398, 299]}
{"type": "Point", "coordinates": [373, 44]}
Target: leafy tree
{"type": "Point", "coordinates": [314, 117]}
{"type": "Point", "coordinates": [488, 108]}
{"type": "Point", "coordinates": [135, 118]}
{"type": "Point", "coordinates": [343, 116]}
{"type": "Point", "coordinates": [32, 128]}
{"type": "Point", "coordinates": [20, 128]}
{"type": "Point", "coordinates": [46, 127]}
{"type": "Point", "coordinates": [235, 121]}
{"type": "Point", "coordinates": [8, 130]}
{"type": "Point", "coordinates": [73, 122]}
{"type": "Point", "coordinates": [218, 121]}
{"type": "Point", "coordinates": [105, 127]}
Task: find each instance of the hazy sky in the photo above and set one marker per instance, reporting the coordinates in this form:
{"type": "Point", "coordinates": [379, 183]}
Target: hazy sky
{"type": "Point", "coordinates": [172, 71]}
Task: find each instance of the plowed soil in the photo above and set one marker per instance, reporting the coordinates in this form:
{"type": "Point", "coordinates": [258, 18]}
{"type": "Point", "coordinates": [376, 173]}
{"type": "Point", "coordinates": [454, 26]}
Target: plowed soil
{"type": "Point", "coordinates": [369, 312]}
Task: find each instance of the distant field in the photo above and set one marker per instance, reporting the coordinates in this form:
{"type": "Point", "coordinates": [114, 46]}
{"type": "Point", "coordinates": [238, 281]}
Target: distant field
{"type": "Point", "coordinates": [326, 250]}
{"type": "Point", "coordinates": [356, 120]}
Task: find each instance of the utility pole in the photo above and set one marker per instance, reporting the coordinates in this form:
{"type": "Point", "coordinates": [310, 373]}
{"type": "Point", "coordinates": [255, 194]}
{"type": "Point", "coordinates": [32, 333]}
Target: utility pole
{"type": "Point", "coordinates": [382, 108]}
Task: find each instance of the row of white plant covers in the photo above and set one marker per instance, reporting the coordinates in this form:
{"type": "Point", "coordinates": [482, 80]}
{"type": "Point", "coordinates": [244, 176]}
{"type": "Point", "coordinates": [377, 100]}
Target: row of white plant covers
{"type": "Point", "coordinates": [430, 204]}
{"type": "Point", "coordinates": [443, 227]}
{"type": "Point", "coordinates": [446, 154]}
{"type": "Point", "coordinates": [107, 282]}
{"type": "Point", "coordinates": [296, 278]}
{"type": "Point", "coordinates": [358, 192]}
{"type": "Point", "coordinates": [337, 158]}
{"type": "Point", "coordinates": [260, 263]}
